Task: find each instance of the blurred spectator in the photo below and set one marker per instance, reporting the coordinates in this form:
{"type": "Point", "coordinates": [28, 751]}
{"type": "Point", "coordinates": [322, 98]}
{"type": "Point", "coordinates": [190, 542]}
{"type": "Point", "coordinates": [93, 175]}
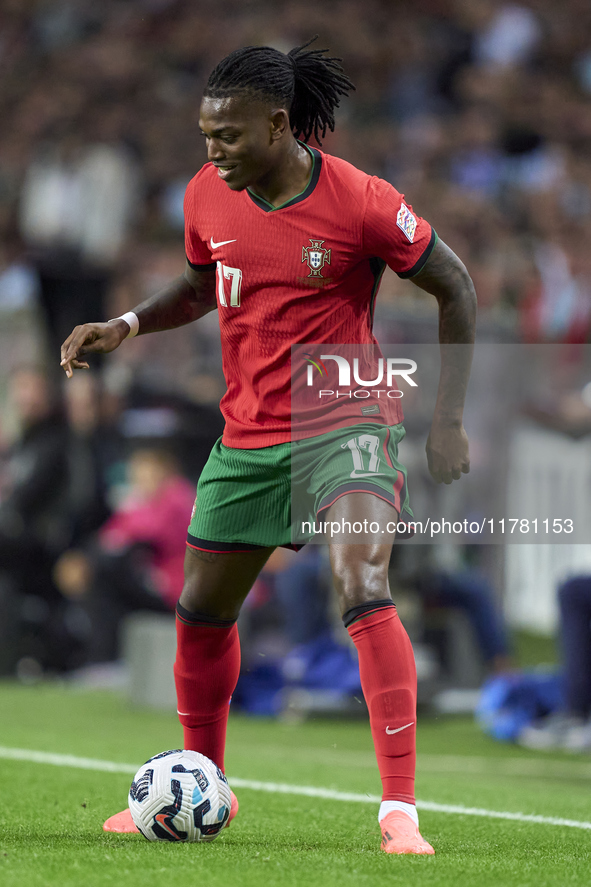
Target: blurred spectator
{"type": "Point", "coordinates": [303, 593]}
{"type": "Point", "coordinates": [445, 577]}
{"type": "Point", "coordinates": [77, 201]}
{"type": "Point", "coordinates": [35, 471]}
{"type": "Point", "coordinates": [19, 282]}
{"type": "Point", "coordinates": [470, 591]}
{"type": "Point", "coordinates": [137, 560]}
{"type": "Point", "coordinates": [93, 452]}
{"type": "Point", "coordinates": [570, 728]}
{"type": "Point", "coordinates": [510, 37]}
{"type": "Point", "coordinates": [31, 523]}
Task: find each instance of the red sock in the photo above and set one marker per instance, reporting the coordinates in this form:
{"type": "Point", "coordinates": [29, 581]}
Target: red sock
{"type": "Point", "coordinates": [206, 672]}
{"type": "Point", "coordinates": [389, 682]}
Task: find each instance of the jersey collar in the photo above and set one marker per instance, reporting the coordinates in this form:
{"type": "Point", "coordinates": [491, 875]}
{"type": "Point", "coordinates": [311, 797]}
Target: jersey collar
{"type": "Point", "coordinates": [312, 182]}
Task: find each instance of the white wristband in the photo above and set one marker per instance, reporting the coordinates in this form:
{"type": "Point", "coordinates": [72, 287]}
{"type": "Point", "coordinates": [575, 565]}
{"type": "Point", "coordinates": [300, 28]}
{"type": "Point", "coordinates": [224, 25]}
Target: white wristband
{"type": "Point", "coordinates": [132, 320]}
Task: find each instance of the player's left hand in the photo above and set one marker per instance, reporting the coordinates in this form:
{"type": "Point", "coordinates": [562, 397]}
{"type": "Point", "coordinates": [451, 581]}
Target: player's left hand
{"type": "Point", "coordinates": [447, 452]}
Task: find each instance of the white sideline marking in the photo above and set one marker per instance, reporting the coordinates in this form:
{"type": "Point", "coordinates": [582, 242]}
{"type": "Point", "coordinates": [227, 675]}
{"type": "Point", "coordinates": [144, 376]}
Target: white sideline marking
{"type": "Point", "coordinates": [465, 765]}
{"type": "Point", "coordinates": [516, 766]}
{"type": "Point", "coordinates": [41, 757]}
{"type": "Point", "coordinates": [44, 757]}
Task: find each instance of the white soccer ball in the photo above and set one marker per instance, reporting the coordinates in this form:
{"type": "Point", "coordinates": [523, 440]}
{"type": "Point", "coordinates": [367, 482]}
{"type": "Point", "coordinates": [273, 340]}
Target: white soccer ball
{"type": "Point", "coordinates": [180, 796]}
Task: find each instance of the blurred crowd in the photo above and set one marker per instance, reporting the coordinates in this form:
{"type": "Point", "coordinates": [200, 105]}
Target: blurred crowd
{"type": "Point", "coordinates": [95, 500]}
{"type": "Point", "coordinates": [479, 110]}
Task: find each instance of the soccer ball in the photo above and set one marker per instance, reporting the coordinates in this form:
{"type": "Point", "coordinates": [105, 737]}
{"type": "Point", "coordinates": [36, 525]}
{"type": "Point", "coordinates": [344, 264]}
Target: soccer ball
{"type": "Point", "coordinates": [180, 796]}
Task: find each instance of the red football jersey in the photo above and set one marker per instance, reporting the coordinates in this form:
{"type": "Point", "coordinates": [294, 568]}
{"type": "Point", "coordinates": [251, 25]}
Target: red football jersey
{"type": "Point", "coordinates": [304, 272]}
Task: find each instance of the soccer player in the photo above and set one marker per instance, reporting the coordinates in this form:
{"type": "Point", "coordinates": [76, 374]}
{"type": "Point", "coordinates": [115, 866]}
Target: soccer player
{"type": "Point", "coordinates": [266, 210]}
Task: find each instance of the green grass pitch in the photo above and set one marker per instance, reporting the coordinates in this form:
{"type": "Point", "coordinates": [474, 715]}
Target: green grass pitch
{"type": "Point", "coordinates": [51, 816]}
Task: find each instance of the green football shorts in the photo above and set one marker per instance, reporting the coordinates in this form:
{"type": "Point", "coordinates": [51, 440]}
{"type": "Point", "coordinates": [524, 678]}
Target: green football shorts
{"type": "Point", "coordinates": [257, 498]}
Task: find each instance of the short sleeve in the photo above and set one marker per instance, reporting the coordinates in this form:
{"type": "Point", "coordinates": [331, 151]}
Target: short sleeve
{"type": "Point", "coordinates": [198, 252]}
{"type": "Point", "coordinates": [393, 232]}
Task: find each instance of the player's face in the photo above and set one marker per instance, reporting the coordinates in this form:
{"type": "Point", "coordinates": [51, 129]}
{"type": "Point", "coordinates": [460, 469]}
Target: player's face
{"type": "Point", "coordinates": [241, 140]}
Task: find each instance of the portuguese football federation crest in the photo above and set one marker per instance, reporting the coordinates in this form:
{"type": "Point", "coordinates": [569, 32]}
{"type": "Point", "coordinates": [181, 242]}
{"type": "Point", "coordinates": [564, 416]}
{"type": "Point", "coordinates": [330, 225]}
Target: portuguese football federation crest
{"type": "Point", "coordinates": [316, 257]}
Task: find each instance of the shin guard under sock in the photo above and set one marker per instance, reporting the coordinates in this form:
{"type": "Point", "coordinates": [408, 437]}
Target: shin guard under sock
{"type": "Point", "coordinates": [206, 671]}
{"type": "Point", "coordinates": [389, 683]}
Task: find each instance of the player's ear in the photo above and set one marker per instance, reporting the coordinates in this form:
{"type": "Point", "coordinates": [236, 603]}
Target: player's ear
{"type": "Point", "coordinates": [279, 124]}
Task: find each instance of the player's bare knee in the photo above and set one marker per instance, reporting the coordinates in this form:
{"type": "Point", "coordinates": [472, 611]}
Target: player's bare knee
{"type": "Point", "coordinates": [216, 583]}
{"type": "Point", "coordinates": [360, 579]}
{"type": "Point", "coordinates": [203, 587]}
{"type": "Point", "coordinates": [199, 600]}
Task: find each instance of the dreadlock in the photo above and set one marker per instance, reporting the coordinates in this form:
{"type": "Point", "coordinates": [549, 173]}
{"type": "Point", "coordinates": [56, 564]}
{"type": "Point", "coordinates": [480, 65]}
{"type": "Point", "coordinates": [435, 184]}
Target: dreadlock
{"type": "Point", "coordinates": [305, 81]}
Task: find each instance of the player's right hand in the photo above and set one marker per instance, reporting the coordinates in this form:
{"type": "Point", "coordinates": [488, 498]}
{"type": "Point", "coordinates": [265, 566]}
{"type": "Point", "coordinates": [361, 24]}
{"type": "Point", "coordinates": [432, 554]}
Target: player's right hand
{"type": "Point", "coordinates": [91, 338]}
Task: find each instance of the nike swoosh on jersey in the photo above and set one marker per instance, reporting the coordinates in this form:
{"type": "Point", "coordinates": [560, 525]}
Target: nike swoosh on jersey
{"type": "Point", "coordinates": [367, 474]}
{"type": "Point", "coordinates": [215, 245]}
{"type": "Point", "coordinates": [398, 729]}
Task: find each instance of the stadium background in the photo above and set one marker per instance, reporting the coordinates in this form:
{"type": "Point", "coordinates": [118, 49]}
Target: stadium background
{"type": "Point", "coordinates": [479, 111]}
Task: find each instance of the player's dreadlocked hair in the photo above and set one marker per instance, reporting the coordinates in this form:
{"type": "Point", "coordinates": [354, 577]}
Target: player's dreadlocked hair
{"type": "Point", "coordinates": [305, 81]}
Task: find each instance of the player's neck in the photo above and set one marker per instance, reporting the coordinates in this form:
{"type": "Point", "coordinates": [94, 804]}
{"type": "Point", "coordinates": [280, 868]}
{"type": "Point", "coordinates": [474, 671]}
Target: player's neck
{"type": "Point", "coordinates": [288, 179]}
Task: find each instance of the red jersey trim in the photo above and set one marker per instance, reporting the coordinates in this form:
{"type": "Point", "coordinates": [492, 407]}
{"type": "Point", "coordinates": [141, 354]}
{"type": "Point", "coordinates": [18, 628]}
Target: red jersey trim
{"type": "Point", "coordinates": [236, 547]}
{"type": "Point", "coordinates": [345, 489]}
{"type": "Point", "coordinates": [221, 547]}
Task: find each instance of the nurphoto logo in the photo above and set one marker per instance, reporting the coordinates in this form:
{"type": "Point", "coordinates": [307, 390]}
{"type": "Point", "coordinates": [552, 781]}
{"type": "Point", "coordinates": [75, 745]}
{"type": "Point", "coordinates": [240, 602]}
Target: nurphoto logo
{"type": "Point", "coordinates": [388, 370]}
